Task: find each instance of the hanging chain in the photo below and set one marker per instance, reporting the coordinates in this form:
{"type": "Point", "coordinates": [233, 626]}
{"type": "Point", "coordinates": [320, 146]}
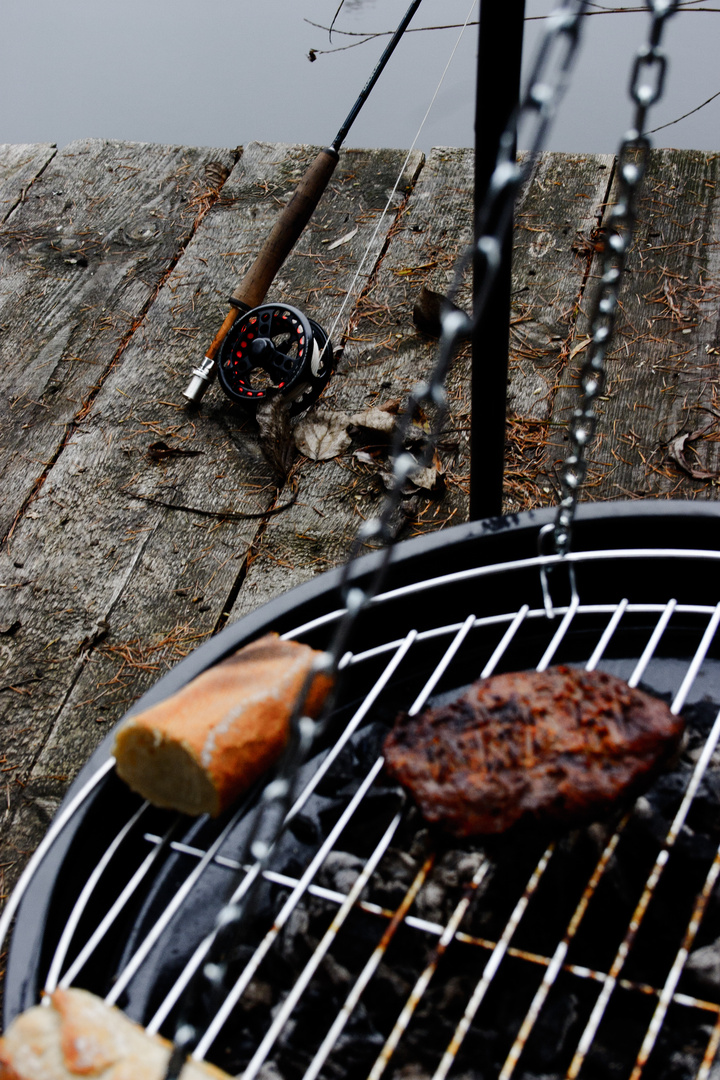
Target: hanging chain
{"type": "Point", "coordinates": [546, 85]}
{"type": "Point", "coordinates": [646, 87]}
{"type": "Point", "coordinates": [547, 82]}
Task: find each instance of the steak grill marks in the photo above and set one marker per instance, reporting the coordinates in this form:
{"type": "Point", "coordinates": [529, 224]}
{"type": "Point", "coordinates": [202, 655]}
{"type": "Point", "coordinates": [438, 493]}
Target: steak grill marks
{"type": "Point", "coordinates": [475, 958]}
{"type": "Point", "coordinates": [563, 745]}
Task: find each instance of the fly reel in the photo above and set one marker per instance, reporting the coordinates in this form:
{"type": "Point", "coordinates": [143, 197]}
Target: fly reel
{"type": "Point", "coordinates": [275, 350]}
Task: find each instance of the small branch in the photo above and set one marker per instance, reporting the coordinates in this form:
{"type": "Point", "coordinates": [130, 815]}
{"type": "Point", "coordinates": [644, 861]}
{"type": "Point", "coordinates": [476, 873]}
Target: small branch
{"type": "Point", "coordinates": [218, 515]}
{"type": "Point", "coordinates": [365, 36]}
{"type": "Point", "coordinates": [684, 115]}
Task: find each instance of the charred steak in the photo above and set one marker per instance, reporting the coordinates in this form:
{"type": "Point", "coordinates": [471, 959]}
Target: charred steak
{"type": "Point", "coordinates": [562, 745]}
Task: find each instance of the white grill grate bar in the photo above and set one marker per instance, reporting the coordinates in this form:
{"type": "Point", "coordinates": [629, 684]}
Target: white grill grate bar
{"type": "Point", "coordinates": [532, 614]}
{"type": "Point", "coordinates": [301, 983]}
{"type": "Point", "coordinates": [607, 635]}
{"type": "Point", "coordinates": [505, 642]}
{"type": "Point", "coordinates": [401, 651]}
{"type": "Point", "coordinates": [422, 983]}
{"type": "Point", "coordinates": [367, 972]}
{"type": "Point", "coordinates": [697, 661]}
{"type": "Point", "coordinates": [611, 979]}
{"type": "Point", "coordinates": [173, 907]}
{"type": "Point", "coordinates": [559, 956]}
{"type": "Point", "coordinates": [652, 643]}
{"type": "Point", "coordinates": [89, 887]}
{"type": "Point", "coordinates": [442, 667]}
{"type": "Point", "coordinates": [559, 634]}
{"type": "Point", "coordinates": [474, 573]}
{"type": "Point", "coordinates": [241, 984]}
{"type": "Point", "coordinates": [45, 845]}
{"type": "Point", "coordinates": [671, 982]}
{"type": "Point", "coordinates": [105, 924]}
{"type": "Point", "coordinates": [711, 1051]}
{"type": "Point", "coordinates": [492, 966]}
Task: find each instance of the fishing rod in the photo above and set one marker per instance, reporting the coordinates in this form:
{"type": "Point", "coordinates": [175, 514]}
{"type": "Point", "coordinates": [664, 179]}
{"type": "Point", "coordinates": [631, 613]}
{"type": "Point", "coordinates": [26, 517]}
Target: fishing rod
{"type": "Point", "coordinates": [270, 348]}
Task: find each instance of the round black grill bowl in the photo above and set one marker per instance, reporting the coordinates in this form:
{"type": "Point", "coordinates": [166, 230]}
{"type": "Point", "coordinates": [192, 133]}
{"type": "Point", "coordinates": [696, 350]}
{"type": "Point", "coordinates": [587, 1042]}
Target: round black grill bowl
{"type": "Point", "coordinates": [643, 555]}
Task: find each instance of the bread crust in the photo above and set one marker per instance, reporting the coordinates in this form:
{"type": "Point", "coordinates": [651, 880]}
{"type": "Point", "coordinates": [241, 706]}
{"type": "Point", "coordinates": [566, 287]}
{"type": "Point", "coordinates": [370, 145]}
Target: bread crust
{"type": "Point", "coordinates": [200, 749]}
{"type": "Point", "coordinates": [76, 1034]}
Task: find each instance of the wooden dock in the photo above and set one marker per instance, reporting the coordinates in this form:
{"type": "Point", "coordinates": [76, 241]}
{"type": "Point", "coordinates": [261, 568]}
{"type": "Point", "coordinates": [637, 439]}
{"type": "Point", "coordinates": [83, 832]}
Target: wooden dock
{"type": "Point", "coordinates": [133, 528]}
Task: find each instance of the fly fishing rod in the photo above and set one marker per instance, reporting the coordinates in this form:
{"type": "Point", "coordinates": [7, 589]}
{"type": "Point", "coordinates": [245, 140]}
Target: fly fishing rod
{"type": "Point", "coordinates": [274, 348]}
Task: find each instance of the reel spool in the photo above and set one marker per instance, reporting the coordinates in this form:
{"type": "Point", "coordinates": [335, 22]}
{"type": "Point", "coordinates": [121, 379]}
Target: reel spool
{"type": "Point", "coordinates": [275, 350]}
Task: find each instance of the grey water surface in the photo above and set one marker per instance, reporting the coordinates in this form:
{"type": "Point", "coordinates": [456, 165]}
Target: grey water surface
{"type": "Point", "coordinates": [222, 72]}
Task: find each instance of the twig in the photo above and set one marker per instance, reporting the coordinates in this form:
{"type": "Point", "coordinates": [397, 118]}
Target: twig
{"type": "Point", "coordinates": [227, 515]}
{"type": "Point", "coordinates": [684, 115]}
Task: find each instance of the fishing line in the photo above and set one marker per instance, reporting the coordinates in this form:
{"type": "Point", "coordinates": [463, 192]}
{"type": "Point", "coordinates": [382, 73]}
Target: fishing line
{"type": "Point", "coordinates": [403, 167]}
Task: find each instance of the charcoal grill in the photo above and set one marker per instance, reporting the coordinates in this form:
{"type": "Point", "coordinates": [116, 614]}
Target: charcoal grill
{"type": "Point", "coordinates": [376, 947]}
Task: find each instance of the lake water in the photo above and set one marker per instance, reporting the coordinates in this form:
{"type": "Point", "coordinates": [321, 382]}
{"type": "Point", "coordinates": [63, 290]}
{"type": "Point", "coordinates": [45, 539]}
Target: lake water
{"type": "Point", "coordinates": [222, 72]}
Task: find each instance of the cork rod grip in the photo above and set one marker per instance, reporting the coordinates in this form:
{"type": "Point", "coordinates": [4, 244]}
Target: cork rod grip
{"type": "Point", "coordinates": [285, 233]}
{"type": "Point", "coordinates": [286, 230]}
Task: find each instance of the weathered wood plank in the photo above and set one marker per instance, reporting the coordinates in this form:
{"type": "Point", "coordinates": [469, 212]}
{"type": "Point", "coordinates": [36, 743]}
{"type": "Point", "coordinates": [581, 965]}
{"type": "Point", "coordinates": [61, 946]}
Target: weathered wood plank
{"type": "Point", "coordinates": [112, 589]}
{"type": "Point", "coordinates": [663, 366]}
{"type": "Point", "coordinates": [559, 209]}
{"type": "Point", "coordinates": [82, 256]}
{"type": "Point", "coordinates": [20, 164]}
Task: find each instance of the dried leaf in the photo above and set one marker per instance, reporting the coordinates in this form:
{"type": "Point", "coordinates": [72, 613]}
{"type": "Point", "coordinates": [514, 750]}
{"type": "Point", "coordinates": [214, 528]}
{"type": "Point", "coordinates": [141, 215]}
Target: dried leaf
{"type": "Point", "coordinates": [430, 477]}
{"type": "Point", "coordinates": [343, 239]}
{"type": "Point", "coordinates": [428, 311]}
{"type": "Point", "coordinates": [425, 478]}
{"type": "Point", "coordinates": [374, 419]}
{"type": "Point", "coordinates": [367, 459]}
{"type": "Point", "coordinates": [323, 434]}
{"type": "Point", "coordinates": [580, 347]}
{"type": "Point", "coordinates": [676, 451]}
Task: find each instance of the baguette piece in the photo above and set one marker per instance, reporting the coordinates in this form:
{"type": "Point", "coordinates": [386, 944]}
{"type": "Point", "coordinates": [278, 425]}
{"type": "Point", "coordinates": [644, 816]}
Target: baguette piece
{"type": "Point", "coordinates": [200, 749]}
{"type": "Point", "coordinates": [79, 1035]}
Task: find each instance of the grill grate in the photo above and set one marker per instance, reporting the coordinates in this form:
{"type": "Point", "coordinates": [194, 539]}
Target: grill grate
{"type": "Point", "coordinates": [377, 949]}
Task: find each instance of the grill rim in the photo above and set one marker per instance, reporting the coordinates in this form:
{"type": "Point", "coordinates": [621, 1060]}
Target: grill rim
{"type": "Point", "coordinates": [688, 525]}
{"type": "Point", "coordinates": [599, 526]}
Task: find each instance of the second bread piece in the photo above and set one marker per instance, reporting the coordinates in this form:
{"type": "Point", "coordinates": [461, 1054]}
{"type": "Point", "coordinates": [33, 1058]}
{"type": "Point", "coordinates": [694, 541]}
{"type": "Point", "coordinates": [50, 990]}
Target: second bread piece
{"type": "Point", "coordinates": [76, 1034]}
{"type": "Point", "coordinates": [200, 749]}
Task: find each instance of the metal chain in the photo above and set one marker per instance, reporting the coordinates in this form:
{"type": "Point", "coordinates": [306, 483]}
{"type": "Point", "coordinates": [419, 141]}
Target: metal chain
{"type": "Point", "coordinates": [546, 85]}
{"type": "Point", "coordinates": [547, 82]}
{"type": "Point", "coordinates": [646, 87]}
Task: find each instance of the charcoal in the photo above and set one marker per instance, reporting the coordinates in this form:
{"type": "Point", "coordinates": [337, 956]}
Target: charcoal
{"type": "Point", "coordinates": [702, 968]}
{"type": "Point", "coordinates": [340, 871]}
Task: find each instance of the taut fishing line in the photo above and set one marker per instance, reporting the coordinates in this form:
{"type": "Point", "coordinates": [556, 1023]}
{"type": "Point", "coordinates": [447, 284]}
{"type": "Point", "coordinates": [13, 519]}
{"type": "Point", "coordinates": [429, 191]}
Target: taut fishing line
{"type": "Point", "coordinates": [403, 167]}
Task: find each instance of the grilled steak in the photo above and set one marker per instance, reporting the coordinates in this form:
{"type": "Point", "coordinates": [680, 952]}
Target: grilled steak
{"type": "Point", "coordinates": [563, 746]}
